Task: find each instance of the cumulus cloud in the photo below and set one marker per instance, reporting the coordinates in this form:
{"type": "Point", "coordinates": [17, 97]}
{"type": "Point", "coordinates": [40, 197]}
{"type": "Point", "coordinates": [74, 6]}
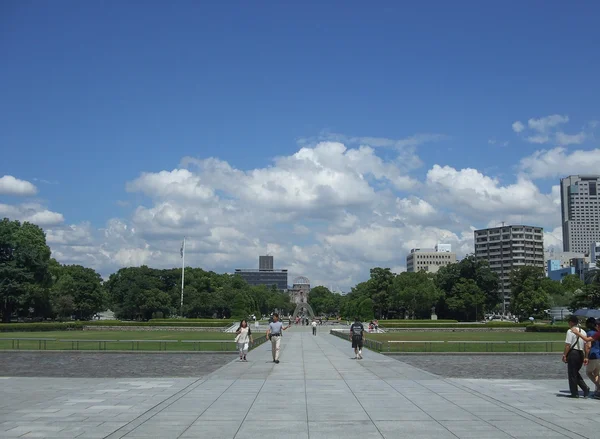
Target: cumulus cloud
{"type": "Point", "coordinates": [31, 212]}
{"type": "Point", "coordinates": [479, 196]}
{"type": "Point", "coordinates": [329, 211]}
{"type": "Point", "coordinates": [10, 185]}
{"type": "Point", "coordinates": [559, 162]}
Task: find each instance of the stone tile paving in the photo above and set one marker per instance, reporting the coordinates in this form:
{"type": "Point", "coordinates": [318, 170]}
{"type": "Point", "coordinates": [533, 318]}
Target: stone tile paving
{"type": "Point", "coordinates": [529, 366]}
{"type": "Point", "coordinates": [317, 391]}
{"type": "Point", "coordinates": [109, 364]}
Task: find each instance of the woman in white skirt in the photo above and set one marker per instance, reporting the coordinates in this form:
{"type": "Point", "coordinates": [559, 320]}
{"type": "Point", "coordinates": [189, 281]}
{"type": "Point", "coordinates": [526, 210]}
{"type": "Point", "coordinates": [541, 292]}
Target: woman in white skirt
{"type": "Point", "coordinates": [243, 339]}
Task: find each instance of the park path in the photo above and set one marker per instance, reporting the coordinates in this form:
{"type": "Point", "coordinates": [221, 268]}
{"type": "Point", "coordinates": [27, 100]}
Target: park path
{"type": "Point", "coordinates": [317, 391]}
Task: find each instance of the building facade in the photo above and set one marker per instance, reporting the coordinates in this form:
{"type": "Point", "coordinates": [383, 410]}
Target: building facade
{"type": "Point", "coordinates": [510, 247]}
{"type": "Point", "coordinates": [265, 275]}
{"type": "Point", "coordinates": [580, 208]}
{"type": "Point", "coordinates": [254, 277]}
{"type": "Point", "coordinates": [265, 262]}
{"type": "Point", "coordinates": [430, 260]}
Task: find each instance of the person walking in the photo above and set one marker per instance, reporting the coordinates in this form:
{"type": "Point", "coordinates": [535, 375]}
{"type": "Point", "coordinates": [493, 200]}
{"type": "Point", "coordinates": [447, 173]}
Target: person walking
{"type": "Point", "coordinates": [314, 326]}
{"type": "Point", "coordinates": [357, 334]}
{"type": "Point", "coordinates": [576, 355]}
{"type": "Point", "coordinates": [243, 339]}
{"type": "Point", "coordinates": [274, 333]}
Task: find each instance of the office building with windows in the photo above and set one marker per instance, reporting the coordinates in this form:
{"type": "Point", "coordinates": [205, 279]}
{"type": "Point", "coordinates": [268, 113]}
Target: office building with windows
{"type": "Point", "coordinates": [265, 262]}
{"type": "Point", "coordinates": [265, 275]}
{"type": "Point", "coordinates": [430, 260]}
{"type": "Point", "coordinates": [580, 208]}
{"type": "Point", "coordinates": [510, 247]}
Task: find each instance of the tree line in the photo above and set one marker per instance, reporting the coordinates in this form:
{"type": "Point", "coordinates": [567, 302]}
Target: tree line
{"type": "Point", "coordinates": [34, 285]}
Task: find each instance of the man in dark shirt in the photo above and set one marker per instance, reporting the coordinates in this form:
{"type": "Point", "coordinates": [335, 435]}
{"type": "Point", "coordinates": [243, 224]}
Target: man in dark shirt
{"type": "Point", "coordinates": [357, 333]}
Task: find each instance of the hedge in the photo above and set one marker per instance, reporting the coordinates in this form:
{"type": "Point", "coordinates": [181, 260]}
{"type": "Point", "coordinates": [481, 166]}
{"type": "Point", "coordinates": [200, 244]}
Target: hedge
{"type": "Point", "coordinates": [177, 323]}
{"type": "Point", "coordinates": [460, 325]}
{"type": "Point", "coordinates": [224, 321]}
{"type": "Point", "coordinates": [36, 327]}
{"type": "Point", "coordinates": [78, 325]}
{"type": "Point", "coordinates": [546, 328]}
{"type": "Point", "coordinates": [408, 322]}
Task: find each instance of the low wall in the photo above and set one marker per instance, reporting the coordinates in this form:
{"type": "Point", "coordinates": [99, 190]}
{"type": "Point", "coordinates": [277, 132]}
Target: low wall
{"type": "Point", "coordinates": [498, 329]}
{"type": "Point", "coordinates": [153, 328]}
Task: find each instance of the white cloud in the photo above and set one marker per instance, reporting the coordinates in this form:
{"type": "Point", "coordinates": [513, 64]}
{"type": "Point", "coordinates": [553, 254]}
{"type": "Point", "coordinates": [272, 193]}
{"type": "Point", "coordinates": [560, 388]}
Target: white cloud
{"type": "Point", "coordinates": [179, 183]}
{"type": "Point", "coordinates": [544, 124]}
{"type": "Point", "coordinates": [329, 212]}
{"type": "Point", "coordinates": [570, 139]}
{"type": "Point", "coordinates": [480, 197]}
{"type": "Point", "coordinates": [10, 185]}
{"type": "Point", "coordinates": [518, 126]}
{"type": "Point", "coordinates": [559, 162]}
{"type": "Point", "coordinates": [538, 138]}
{"type": "Point", "coordinates": [31, 212]}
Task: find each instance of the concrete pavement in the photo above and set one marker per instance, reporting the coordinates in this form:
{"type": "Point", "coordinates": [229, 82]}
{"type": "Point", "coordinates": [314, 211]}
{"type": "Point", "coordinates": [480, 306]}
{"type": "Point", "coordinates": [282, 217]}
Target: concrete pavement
{"type": "Point", "coordinates": [317, 391]}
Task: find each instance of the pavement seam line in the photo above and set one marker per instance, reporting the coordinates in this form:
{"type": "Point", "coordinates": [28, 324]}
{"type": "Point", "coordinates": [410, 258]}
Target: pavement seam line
{"type": "Point", "coordinates": [404, 396]}
{"type": "Point", "coordinates": [176, 395]}
{"type": "Point", "coordinates": [209, 406]}
{"type": "Point", "coordinates": [305, 389]}
{"type": "Point", "coordinates": [515, 410]}
{"type": "Point", "coordinates": [505, 406]}
{"type": "Point", "coordinates": [351, 391]}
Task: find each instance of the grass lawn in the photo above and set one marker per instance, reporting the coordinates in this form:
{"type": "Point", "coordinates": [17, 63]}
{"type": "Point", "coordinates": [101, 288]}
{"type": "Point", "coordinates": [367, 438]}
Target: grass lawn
{"type": "Point", "coordinates": [95, 340]}
{"type": "Point", "coordinates": [475, 341]}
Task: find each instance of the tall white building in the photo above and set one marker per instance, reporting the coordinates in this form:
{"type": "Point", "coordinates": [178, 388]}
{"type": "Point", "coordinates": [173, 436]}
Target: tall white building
{"type": "Point", "coordinates": [510, 247]}
{"type": "Point", "coordinates": [580, 206]}
{"type": "Point", "coordinates": [430, 259]}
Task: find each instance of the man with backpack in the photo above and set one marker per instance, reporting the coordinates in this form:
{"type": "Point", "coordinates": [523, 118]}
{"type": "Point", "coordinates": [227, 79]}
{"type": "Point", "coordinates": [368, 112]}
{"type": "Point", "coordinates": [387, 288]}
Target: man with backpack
{"type": "Point", "coordinates": [357, 333]}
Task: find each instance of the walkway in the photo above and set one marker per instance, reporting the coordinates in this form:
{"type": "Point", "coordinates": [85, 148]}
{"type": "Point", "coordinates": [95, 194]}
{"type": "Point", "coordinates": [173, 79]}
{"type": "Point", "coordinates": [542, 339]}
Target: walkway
{"type": "Point", "coordinates": [317, 391]}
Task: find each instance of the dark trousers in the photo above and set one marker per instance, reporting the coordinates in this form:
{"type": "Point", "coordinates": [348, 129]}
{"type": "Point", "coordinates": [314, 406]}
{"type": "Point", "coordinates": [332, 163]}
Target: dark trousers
{"type": "Point", "coordinates": [574, 363]}
{"type": "Point", "coordinates": [314, 331]}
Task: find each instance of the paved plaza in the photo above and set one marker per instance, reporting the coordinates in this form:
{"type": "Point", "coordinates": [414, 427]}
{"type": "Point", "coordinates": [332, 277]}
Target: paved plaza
{"type": "Point", "coordinates": [317, 391]}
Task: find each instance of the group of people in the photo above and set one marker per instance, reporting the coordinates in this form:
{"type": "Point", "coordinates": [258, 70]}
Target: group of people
{"type": "Point", "coordinates": [275, 330]}
{"type": "Point", "coordinates": [583, 348]}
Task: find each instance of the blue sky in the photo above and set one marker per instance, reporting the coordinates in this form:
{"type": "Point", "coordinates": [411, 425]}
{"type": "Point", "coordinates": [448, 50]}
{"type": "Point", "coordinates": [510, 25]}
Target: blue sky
{"type": "Point", "coordinates": [96, 93]}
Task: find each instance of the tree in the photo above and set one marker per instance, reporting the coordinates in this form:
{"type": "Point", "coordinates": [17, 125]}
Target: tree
{"type": "Point", "coordinates": [83, 286]}
{"type": "Point", "coordinates": [529, 298]}
{"type": "Point", "coordinates": [365, 309]}
{"type": "Point", "coordinates": [469, 268]}
{"type": "Point", "coordinates": [380, 286]}
{"type": "Point", "coordinates": [415, 293]}
{"type": "Point", "coordinates": [323, 301]}
{"type": "Point", "coordinates": [24, 259]}
{"type": "Point", "coordinates": [466, 297]}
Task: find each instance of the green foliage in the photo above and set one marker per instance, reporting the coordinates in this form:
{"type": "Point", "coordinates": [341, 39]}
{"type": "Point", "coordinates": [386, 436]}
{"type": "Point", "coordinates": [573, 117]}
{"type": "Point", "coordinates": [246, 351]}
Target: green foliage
{"type": "Point", "coordinates": [24, 273]}
{"type": "Point", "coordinates": [415, 294]}
{"type": "Point", "coordinates": [468, 287]}
{"type": "Point", "coordinates": [365, 309]}
{"type": "Point", "coordinates": [77, 291]}
{"type": "Point", "coordinates": [547, 328]}
{"type": "Point", "coordinates": [529, 296]}
{"type": "Point", "coordinates": [35, 327]}
{"type": "Point", "coordinates": [323, 301]}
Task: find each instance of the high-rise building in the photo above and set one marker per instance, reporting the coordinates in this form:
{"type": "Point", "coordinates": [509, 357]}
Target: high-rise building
{"type": "Point", "coordinates": [265, 262]}
{"type": "Point", "coordinates": [430, 259]}
{"type": "Point", "coordinates": [580, 206]}
{"type": "Point", "coordinates": [510, 247]}
{"type": "Point", "coordinates": [265, 275]}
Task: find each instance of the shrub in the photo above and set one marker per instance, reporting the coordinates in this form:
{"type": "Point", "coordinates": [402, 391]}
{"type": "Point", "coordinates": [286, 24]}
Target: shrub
{"type": "Point", "coordinates": [547, 328]}
{"type": "Point", "coordinates": [38, 327]}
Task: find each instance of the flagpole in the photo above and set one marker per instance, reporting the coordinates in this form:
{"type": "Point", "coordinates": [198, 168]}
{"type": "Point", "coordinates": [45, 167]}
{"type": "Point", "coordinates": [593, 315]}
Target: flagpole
{"type": "Point", "coordinates": [182, 275]}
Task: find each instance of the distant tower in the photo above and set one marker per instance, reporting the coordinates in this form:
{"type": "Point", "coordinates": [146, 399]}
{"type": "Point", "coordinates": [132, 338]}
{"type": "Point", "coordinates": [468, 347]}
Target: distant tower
{"type": "Point", "coordinates": [265, 263]}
